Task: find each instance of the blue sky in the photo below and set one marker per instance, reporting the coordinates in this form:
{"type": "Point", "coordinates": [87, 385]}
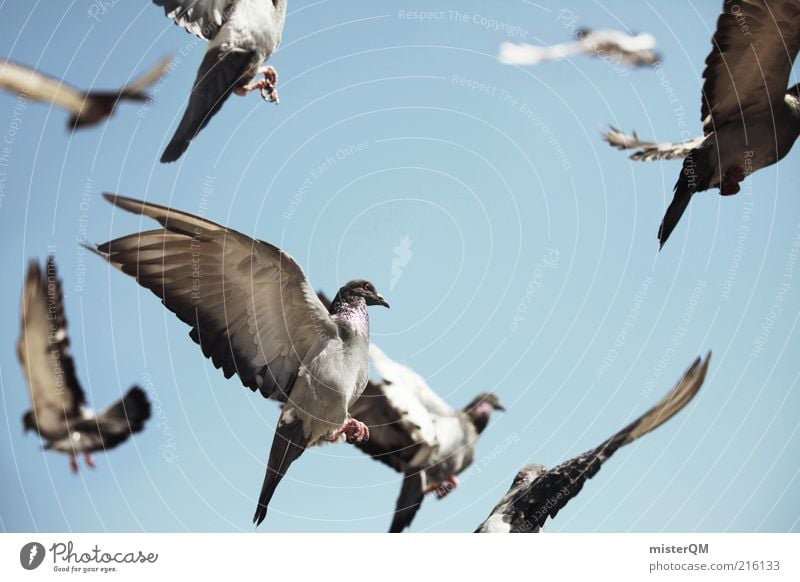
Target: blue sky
{"type": "Point", "coordinates": [533, 267]}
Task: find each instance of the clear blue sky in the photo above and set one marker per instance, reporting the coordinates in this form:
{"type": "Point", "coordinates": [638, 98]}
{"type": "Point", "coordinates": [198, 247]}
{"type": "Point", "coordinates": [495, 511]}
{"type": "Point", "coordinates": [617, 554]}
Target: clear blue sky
{"type": "Point", "coordinates": [534, 267]}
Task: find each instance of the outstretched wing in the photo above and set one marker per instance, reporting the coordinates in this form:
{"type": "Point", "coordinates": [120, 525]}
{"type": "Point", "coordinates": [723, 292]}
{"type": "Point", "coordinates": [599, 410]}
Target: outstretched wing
{"type": "Point", "coordinates": [522, 53]}
{"type": "Point", "coordinates": [632, 49]}
{"type": "Point", "coordinates": [397, 433]}
{"type": "Point", "coordinates": [650, 150]}
{"type": "Point", "coordinates": [401, 412]}
{"type": "Point", "coordinates": [753, 50]}
{"type": "Point", "coordinates": [39, 87]}
{"type": "Point", "coordinates": [250, 305]}
{"type": "Point", "coordinates": [535, 497]}
{"type": "Point", "coordinates": [43, 348]}
{"type": "Point", "coordinates": [203, 18]}
{"type": "Point", "coordinates": [114, 425]}
{"type": "Point", "coordinates": [412, 383]}
{"type": "Point", "coordinates": [140, 85]}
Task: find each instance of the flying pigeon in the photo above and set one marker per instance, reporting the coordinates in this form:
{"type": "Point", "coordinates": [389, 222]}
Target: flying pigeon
{"type": "Point", "coordinates": [631, 49]}
{"type": "Point", "coordinates": [418, 434]}
{"type": "Point", "coordinates": [254, 313]}
{"type": "Point", "coordinates": [87, 107]}
{"type": "Point", "coordinates": [537, 493]}
{"type": "Point", "coordinates": [750, 118]}
{"type": "Point", "coordinates": [57, 399]}
{"type": "Point", "coordinates": [242, 34]}
{"type": "Point", "coordinates": [650, 150]}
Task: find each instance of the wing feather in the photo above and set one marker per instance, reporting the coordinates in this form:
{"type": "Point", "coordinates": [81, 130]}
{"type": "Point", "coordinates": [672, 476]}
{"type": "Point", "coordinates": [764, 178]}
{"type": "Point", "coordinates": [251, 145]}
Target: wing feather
{"type": "Point", "coordinates": [754, 47]}
{"type": "Point", "coordinates": [650, 150]}
{"type": "Point", "coordinates": [202, 18]}
{"type": "Point", "coordinates": [249, 304]}
{"type": "Point", "coordinates": [37, 86]}
{"type": "Point", "coordinates": [43, 346]}
{"type": "Point", "coordinates": [114, 425]}
{"type": "Point", "coordinates": [533, 499]}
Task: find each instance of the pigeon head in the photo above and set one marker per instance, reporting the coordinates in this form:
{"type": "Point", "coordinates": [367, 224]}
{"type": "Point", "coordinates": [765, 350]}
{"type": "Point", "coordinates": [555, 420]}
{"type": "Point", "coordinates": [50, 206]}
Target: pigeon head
{"type": "Point", "coordinates": [481, 407]}
{"type": "Point", "coordinates": [356, 292]}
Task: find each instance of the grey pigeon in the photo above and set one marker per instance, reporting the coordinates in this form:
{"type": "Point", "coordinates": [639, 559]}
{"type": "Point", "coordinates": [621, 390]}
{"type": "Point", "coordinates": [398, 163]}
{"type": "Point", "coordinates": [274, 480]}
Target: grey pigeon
{"type": "Point", "coordinates": [750, 118]}
{"type": "Point", "coordinates": [254, 313]}
{"type": "Point", "coordinates": [241, 35]}
{"type": "Point", "coordinates": [87, 107]}
{"type": "Point", "coordinates": [537, 494]}
{"type": "Point", "coordinates": [418, 434]}
{"type": "Point", "coordinates": [631, 49]}
{"type": "Point", "coordinates": [58, 411]}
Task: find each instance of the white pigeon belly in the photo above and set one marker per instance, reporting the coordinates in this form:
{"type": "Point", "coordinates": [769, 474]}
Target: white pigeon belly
{"type": "Point", "coordinates": [251, 26]}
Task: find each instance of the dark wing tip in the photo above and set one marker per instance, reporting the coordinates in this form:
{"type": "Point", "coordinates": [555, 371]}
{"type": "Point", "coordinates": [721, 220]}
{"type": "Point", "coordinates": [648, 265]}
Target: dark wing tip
{"type": "Point", "coordinates": [260, 514]}
{"type": "Point", "coordinates": [137, 404]}
{"type": "Point", "coordinates": [96, 249]}
{"type": "Point", "coordinates": [34, 273]}
{"type": "Point", "coordinates": [174, 151]}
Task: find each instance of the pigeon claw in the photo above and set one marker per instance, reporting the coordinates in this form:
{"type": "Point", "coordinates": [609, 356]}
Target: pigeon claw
{"type": "Point", "coordinates": [73, 464]}
{"type": "Point", "coordinates": [354, 430]}
{"type": "Point", "coordinates": [444, 488]}
{"type": "Point", "coordinates": [268, 86]}
{"type": "Point", "coordinates": [90, 460]}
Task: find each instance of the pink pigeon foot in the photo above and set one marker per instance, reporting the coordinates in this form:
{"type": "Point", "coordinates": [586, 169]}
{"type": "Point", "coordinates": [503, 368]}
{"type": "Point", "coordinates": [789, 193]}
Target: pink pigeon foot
{"type": "Point", "coordinates": [90, 460]}
{"type": "Point", "coordinates": [444, 488]}
{"type": "Point", "coordinates": [356, 431]}
{"type": "Point", "coordinates": [268, 86]}
{"type": "Point", "coordinates": [73, 464]}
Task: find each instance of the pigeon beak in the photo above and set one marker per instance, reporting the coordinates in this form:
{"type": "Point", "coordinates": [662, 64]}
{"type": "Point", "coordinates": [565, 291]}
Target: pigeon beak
{"type": "Point", "coordinates": [381, 301]}
{"type": "Point", "coordinates": [499, 407]}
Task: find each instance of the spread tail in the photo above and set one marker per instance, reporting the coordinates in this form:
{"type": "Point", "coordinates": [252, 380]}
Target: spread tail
{"type": "Point", "coordinates": [408, 503]}
{"type": "Point", "coordinates": [219, 74]}
{"type": "Point", "coordinates": [287, 446]}
{"type": "Point", "coordinates": [694, 178]}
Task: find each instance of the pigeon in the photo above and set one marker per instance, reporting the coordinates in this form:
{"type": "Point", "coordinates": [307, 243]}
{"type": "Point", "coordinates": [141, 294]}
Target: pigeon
{"type": "Point", "coordinates": [538, 493]}
{"type": "Point", "coordinates": [631, 49]}
{"type": "Point", "coordinates": [650, 150]}
{"type": "Point", "coordinates": [242, 34]}
{"type": "Point", "coordinates": [87, 107]}
{"type": "Point", "coordinates": [750, 118]}
{"type": "Point", "coordinates": [418, 434]}
{"type": "Point", "coordinates": [254, 314]}
{"type": "Point", "coordinates": [58, 413]}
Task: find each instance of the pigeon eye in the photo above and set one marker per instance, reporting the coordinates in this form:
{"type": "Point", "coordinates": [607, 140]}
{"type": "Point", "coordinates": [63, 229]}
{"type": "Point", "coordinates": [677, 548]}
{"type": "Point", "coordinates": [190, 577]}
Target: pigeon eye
{"type": "Point", "coordinates": [368, 287]}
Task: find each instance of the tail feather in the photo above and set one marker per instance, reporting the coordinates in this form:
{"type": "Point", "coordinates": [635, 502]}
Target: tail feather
{"type": "Point", "coordinates": [411, 495]}
{"type": "Point", "coordinates": [219, 74]}
{"type": "Point", "coordinates": [694, 178]}
{"type": "Point", "coordinates": [287, 446]}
